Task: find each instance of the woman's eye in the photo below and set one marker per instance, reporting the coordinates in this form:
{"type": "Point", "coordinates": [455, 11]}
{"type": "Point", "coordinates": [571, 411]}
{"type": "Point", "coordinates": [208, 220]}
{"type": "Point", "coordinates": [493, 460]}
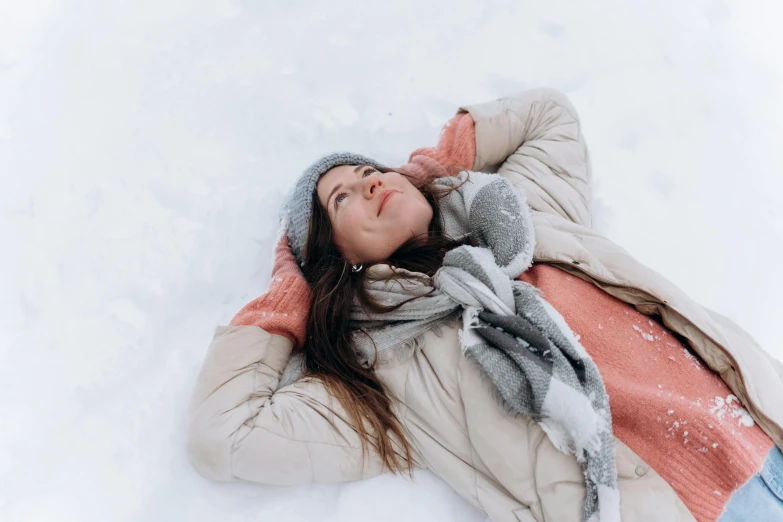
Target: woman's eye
{"type": "Point", "coordinates": [341, 194]}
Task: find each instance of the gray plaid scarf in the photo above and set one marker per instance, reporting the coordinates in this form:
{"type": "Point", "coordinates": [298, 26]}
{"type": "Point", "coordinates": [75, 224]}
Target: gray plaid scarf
{"type": "Point", "coordinates": [522, 345]}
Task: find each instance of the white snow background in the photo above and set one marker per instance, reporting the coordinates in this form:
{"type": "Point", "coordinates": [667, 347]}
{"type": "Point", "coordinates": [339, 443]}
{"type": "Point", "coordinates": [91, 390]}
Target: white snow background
{"type": "Point", "coordinates": [145, 148]}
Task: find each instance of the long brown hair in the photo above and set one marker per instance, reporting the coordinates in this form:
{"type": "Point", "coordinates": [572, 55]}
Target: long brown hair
{"type": "Point", "coordinates": [328, 351]}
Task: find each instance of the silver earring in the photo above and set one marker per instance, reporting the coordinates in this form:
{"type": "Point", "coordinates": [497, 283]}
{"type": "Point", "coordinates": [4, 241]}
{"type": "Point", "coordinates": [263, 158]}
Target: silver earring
{"type": "Point", "coordinates": [356, 268]}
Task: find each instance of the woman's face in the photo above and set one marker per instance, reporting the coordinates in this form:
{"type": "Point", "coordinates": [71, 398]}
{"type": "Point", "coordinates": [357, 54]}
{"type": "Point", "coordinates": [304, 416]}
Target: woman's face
{"type": "Point", "coordinates": [372, 214]}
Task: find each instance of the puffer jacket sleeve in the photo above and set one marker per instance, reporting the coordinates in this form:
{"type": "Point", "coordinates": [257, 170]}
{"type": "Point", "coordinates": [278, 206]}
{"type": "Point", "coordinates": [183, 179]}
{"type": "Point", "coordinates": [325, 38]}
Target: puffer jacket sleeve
{"type": "Point", "coordinates": [534, 138]}
{"type": "Point", "coordinates": [240, 426]}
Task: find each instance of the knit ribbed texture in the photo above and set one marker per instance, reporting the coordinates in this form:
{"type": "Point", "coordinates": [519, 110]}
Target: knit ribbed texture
{"type": "Point", "coordinates": [424, 170]}
{"type": "Point", "coordinates": [283, 309]}
{"type": "Point", "coordinates": [456, 146]}
{"type": "Point", "coordinates": [669, 408]}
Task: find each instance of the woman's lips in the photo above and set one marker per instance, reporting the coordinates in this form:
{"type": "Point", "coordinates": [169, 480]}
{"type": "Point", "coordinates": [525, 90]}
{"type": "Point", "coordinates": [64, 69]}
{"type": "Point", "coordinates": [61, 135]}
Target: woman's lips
{"type": "Point", "coordinates": [384, 198]}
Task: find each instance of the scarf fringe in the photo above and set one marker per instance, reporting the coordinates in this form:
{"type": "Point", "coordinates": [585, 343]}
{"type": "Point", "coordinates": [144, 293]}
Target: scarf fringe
{"type": "Point", "coordinates": [470, 321]}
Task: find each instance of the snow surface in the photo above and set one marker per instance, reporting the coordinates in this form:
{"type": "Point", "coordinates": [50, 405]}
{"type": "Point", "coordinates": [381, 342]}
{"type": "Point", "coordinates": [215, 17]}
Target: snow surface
{"type": "Point", "coordinates": [145, 148]}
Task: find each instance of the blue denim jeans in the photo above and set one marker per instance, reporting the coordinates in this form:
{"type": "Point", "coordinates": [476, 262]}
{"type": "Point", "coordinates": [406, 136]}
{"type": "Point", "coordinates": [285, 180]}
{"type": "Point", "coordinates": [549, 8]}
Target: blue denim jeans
{"type": "Point", "coordinates": [761, 498]}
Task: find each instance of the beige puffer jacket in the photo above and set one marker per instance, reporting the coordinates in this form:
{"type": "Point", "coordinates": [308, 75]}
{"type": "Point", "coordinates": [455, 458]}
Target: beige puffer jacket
{"type": "Point", "coordinates": [241, 426]}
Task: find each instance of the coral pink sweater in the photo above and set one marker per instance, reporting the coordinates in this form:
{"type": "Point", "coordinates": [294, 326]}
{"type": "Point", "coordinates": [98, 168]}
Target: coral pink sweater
{"type": "Point", "coordinates": [670, 409]}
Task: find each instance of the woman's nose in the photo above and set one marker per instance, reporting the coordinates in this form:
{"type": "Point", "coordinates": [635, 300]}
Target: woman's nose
{"type": "Point", "coordinates": [371, 185]}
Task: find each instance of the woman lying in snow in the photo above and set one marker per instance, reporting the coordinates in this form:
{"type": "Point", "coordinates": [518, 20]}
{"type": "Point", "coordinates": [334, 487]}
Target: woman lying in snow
{"type": "Point", "coordinates": [459, 314]}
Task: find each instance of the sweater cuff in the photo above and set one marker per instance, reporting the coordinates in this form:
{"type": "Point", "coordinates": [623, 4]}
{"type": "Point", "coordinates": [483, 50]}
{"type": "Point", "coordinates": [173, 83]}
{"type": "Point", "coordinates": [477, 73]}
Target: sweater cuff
{"type": "Point", "coordinates": [282, 310]}
{"type": "Point", "coordinates": [424, 169]}
{"type": "Point", "coordinates": [457, 144]}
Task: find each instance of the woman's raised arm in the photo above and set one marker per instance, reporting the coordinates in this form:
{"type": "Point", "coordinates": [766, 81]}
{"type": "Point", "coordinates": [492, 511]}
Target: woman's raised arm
{"type": "Point", "coordinates": [240, 425]}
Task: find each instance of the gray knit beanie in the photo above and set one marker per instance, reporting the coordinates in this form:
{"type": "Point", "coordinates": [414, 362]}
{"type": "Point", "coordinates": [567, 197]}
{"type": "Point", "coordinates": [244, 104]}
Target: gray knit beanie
{"type": "Point", "coordinates": [298, 210]}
